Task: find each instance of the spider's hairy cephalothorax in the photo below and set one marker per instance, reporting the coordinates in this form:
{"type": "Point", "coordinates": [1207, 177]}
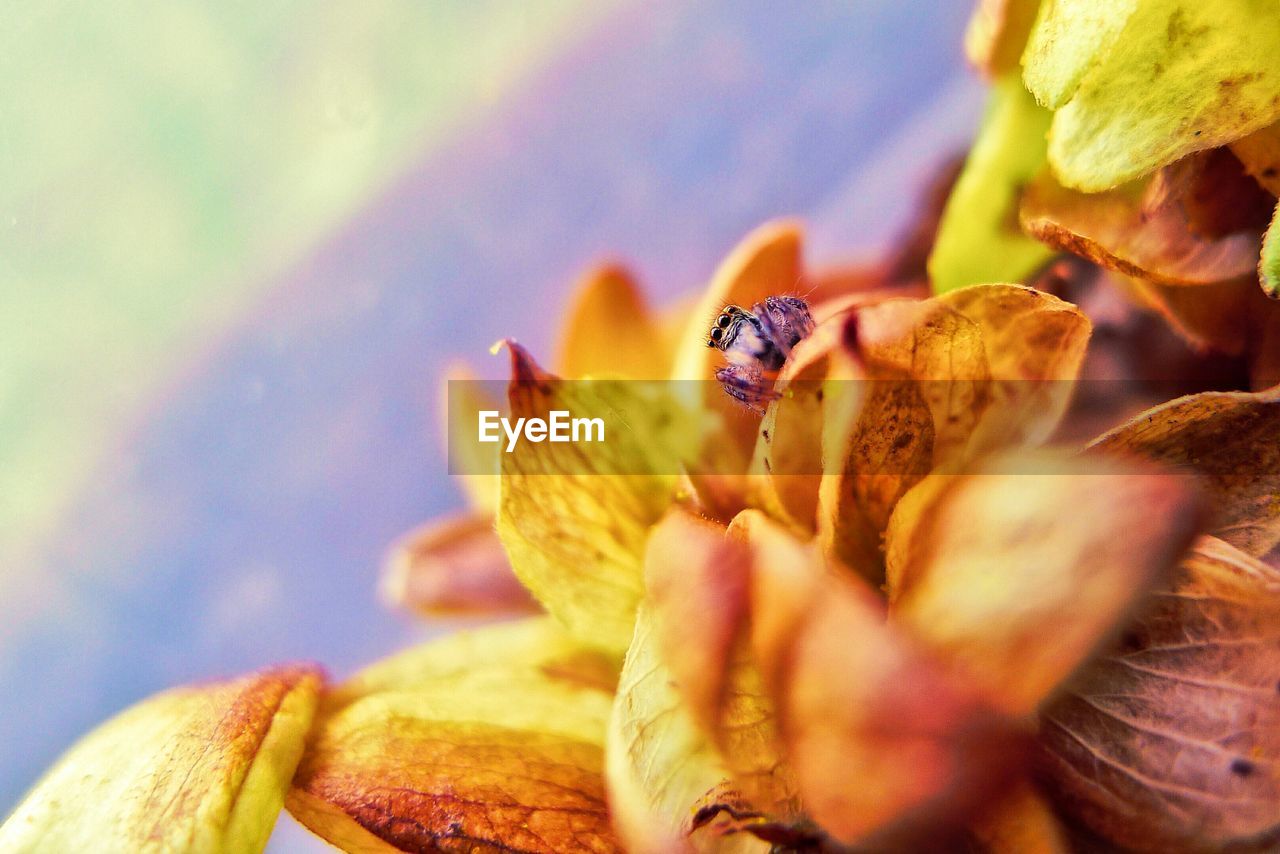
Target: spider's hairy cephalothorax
{"type": "Point", "coordinates": [757, 343]}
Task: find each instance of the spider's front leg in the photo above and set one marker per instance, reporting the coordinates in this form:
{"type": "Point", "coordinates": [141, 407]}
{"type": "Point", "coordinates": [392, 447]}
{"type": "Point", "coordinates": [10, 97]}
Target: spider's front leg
{"type": "Point", "coordinates": [748, 385]}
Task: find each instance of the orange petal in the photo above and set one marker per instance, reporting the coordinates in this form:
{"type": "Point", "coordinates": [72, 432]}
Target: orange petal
{"type": "Point", "coordinates": [198, 768]}
{"type": "Point", "coordinates": [1172, 742]}
{"type": "Point", "coordinates": [696, 579]}
{"type": "Point", "coordinates": [1229, 438]}
{"type": "Point", "coordinates": [1021, 822]}
{"type": "Point", "coordinates": [1260, 154]}
{"type": "Point", "coordinates": [487, 740]}
{"type": "Point", "coordinates": [609, 330]}
{"type": "Point", "coordinates": [997, 33]}
{"type": "Point", "coordinates": [1114, 229]}
{"type": "Point", "coordinates": [1017, 570]}
{"type": "Point", "coordinates": [1034, 344]}
{"type": "Point", "coordinates": [454, 566]}
{"type": "Point", "coordinates": [858, 701]}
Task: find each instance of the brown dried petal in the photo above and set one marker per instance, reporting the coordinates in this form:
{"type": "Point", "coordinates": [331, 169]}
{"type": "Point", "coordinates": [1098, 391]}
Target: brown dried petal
{"type": "Point", "coordinates": [858, 702]}
{"type": "Point", "coordinates": [1172, 742]}
{"type": "Point", "coordinates": [1114, 230]}
{"type": "Point", "coordinates": [1260, 154]}
{"type": "Point", "coordinates": [1019, 569]}
{"type": "Point", "coordinates": [696, 578]}
{"type": "Point", "coordinates": [1229, 438]}
{"type": "Point", "coordinates": [487, 740]}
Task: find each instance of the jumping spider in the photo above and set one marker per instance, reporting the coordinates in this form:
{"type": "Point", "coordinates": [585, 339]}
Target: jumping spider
{"type": "Point", "coordinates": [757, 344]}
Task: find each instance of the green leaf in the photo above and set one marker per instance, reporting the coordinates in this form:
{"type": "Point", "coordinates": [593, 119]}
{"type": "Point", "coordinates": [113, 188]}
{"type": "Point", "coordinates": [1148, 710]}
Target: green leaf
{"type": "Point", "coordinates": [1184, 75]}
{"type": "Point", "coordinates": [979, 240]}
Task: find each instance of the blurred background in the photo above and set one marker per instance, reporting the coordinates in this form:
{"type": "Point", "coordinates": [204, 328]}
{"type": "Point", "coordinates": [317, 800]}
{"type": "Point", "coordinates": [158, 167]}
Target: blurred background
{"type": "Point", "coordinates": [240, 241]}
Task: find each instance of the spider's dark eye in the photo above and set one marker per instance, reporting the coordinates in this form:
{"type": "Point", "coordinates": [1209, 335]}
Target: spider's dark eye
{"type": "Point", "coordinates": [722, 321]}
{"type": "Point", "coordinates": [717, 334]}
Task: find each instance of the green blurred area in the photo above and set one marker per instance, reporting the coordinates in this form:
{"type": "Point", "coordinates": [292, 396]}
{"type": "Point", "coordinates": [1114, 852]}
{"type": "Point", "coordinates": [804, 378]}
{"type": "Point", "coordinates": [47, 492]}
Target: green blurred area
{"type": "Point", "coordinates": [160, 163]}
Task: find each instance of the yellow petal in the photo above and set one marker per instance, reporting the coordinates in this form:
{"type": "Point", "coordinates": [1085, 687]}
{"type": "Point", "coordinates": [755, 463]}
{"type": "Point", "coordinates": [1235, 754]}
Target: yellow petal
{"type": "Point", "coordinates": [1019, 569]}
{"type": "Point", "coordinates": [487, 740]}
{"type": "Point", "coordinates": [454, 566]}
{"type": "Point", "coordinates": [997, 33]}
{"type": "Point", "coordinates": [1116, 230]}
{"type": "Point", "coordinates": [199, 768]}
{"type": "Point", "coordinates": [857, 702]}
{"type": "Point", "coordinates": [574, 516]}
{"type": "Point", "coordinates": [1260, 154]}
{"type": "Point", "coordinates": [462, 399]}
{"type": "Point", "coordinates": [1172, 741]}
{"type": "Point", "coordinates": [979, 240]}
{"type": "Point", "coordinates": [1021, 822]}
{"type": "Point", "coordinates": [1069, 38]}
{"type": "Point", "coordinates": [1229, 438]}
{"type": "Point", "coordinates": [667, 781]}
{"type": "Point", "coordinates": [609, 330]}
{"type": "Point", "coordinates": [1183, 76]}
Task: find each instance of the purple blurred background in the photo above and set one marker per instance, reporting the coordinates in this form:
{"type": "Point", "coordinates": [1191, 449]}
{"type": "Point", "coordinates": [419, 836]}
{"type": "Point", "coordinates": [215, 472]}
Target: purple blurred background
{"type": "Point", "coordinates": [236, 514]}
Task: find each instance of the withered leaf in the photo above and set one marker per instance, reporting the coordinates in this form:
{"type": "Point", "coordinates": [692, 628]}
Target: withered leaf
{"type": "Point", "coordinates": [487, 740]}
{"type": "Point", "coordinates": [1229, 439]}
{"type": "Point", "coordinates": [1172, 741]}
{"type": "Point", "coordinates": [1017, 570]}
